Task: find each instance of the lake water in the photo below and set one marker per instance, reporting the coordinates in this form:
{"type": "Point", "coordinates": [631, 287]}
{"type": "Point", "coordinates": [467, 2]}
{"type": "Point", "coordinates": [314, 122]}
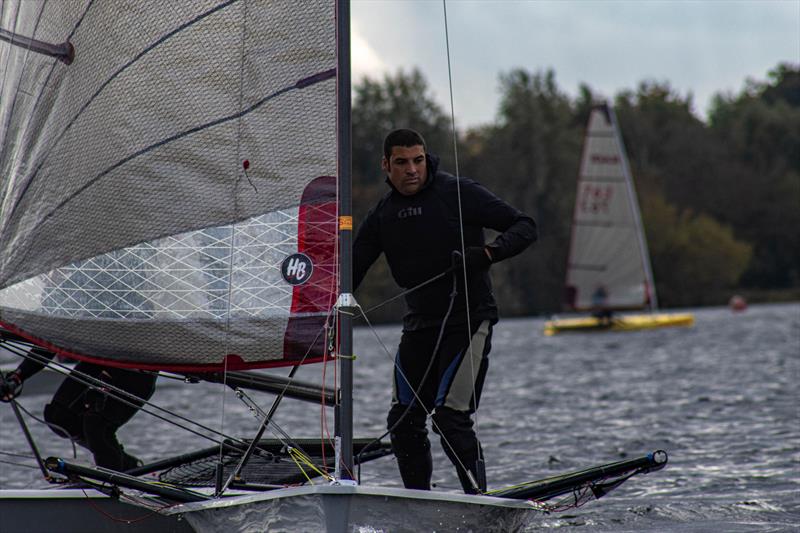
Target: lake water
{"type": "Point", "coordinates": [722, 398]}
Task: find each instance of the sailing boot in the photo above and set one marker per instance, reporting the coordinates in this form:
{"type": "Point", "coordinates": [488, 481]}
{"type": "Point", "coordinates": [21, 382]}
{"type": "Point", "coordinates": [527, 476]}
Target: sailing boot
{"type": "Point", "coordinates": [462, 448]}
{"type": "Point", "coordinates": [473, 482]}
{"type": "Point", "coordinates": [411, 446]}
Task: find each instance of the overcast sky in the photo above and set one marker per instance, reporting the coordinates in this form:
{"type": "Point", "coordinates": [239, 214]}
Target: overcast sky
{"type": "Point", "coordinates": [698, 46]}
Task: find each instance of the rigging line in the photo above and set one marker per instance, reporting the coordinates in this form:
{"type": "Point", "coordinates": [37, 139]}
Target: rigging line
{"type": "Point", "coordinates": [412, 289]}
{"type": "Point", "coordinates": [29, 438]}
{"type": "Point", "coordinates": [299, 85]}
{"type": "Point", "coordinates": [331, 351]}
{"type": "Point", "coordinates": [105, 84]}
{"type": "Point", "coordinates": [232, 245]}
{"type": "Point", "coordinates": [281, 434]}
{"type": "Point", "coordinates": [51, 426]}
{"type": "Point", "coordinates": [331, 348]}
{"type": "Point", "coordinates": [14, 454]}
{"type": "Point", "coordinates": [122, 396]}
{"type": "Point", "coordinates": [128, 521]}
{"type": "Point", "coordinates": [323, 422]}
{"type": "Point", "coordinates": [219, 466]}
{"type": "Point", "coordinates": [266, 422]}
{"type": "Point", "coordinates": [19, 465]}
{"type": "Point", "coordinates": [461, 235]}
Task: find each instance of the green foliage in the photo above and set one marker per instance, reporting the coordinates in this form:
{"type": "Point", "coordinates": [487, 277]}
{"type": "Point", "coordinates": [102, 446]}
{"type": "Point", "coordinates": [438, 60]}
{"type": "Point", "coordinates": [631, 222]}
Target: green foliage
{"type": "Point", "coordinates": [694, 257]}
{"type": "Point", "coordinates": [670, 150]}
{"type": "Point", "coordinates": [531, 158]}
{"type": "Point", "coordinates": [760, 130]}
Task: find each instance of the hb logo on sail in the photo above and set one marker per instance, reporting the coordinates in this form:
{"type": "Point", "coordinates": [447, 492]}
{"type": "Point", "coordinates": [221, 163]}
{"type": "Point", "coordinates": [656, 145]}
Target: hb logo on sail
{"type": "Point", "coordinates": [297, 269]}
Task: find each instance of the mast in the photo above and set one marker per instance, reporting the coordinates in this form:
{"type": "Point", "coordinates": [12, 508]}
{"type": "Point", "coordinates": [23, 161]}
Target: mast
{"type": "Point", "coordinates": [346, 301]}
{"type": "Point", "coordinates": [635, 211]}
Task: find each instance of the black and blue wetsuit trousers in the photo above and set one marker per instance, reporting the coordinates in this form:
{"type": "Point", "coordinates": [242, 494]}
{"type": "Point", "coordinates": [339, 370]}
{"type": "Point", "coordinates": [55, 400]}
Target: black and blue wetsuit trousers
{"type": "Point", "coordinates": [450, 392]}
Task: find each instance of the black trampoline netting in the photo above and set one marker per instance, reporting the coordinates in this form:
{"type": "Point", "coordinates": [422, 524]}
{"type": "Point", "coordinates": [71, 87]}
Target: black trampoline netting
{"type": "Point", "coordinates": [272, 464]}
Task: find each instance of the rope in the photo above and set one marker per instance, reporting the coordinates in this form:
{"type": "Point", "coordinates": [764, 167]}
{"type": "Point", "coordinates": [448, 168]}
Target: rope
{"type": "Point", "coordinates": [298, 456]}
{"type": "Point", "coordinates": [461, 236]}
{"type": "Point", "coordinates": [408, 291]}
{"type": "Point", "coordinates": [21, 465]}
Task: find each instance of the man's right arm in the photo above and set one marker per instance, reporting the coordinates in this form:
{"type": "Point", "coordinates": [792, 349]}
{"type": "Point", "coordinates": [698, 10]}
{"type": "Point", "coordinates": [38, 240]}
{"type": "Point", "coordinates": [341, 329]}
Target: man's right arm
{"type": "Point", "coordinates": [366, 247]}
{"type": "Point", "coordinates": [32, 365]}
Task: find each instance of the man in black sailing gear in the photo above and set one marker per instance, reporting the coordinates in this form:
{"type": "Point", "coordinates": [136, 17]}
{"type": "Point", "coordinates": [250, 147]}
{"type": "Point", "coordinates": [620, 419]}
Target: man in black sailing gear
{"type": "Point", "coordinates": [442, 359]}
{"type": "Point", "coordinates": [85, 414]}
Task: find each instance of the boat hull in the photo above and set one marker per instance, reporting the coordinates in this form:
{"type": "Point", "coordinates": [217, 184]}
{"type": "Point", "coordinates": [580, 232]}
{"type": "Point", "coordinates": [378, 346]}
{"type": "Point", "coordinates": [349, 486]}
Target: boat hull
{"type": "Point", "coordinates": [79, 511]}
{"type": "Point", "coordinates": [620, 323]}
{"type": "Point", "coordinates": [344, 508]}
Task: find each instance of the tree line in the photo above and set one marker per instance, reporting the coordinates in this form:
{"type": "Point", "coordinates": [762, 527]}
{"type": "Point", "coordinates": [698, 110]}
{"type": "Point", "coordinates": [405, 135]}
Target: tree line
{"type": "Point", "coordinates": [720, 200]}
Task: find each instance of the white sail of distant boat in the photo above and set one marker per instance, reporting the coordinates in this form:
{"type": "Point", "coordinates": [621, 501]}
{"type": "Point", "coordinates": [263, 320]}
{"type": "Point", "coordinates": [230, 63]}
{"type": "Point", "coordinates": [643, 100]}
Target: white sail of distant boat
{"type": "Point", "coordinates": [175, 192]}
{"type": "Point", "coordinates": [609, 264]}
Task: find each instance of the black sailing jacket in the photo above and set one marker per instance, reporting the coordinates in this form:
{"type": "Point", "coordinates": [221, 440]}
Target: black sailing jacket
{"type": "Point", "coordinates": [419, 233]}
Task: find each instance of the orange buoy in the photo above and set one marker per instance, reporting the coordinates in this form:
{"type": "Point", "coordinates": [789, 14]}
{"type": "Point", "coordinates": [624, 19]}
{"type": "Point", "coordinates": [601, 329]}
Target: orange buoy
{"type": "Point", "coordinates": [737, 303]}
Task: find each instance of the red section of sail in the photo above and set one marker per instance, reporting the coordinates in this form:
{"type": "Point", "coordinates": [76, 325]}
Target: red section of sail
{"type": "Point", "coordinates": [311, 301]}
{"type": "Point", "coordinates": [230, 362]}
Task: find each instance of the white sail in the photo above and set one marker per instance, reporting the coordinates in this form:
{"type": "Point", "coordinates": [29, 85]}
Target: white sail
{"type": "Point", "coordinates": [152, 186]}
{"type": "Point", "coordinates": [608, 264]}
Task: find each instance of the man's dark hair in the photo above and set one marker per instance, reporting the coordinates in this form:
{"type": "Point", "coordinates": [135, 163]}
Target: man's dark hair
{"type": "Point", "coordinates": [401, 137]}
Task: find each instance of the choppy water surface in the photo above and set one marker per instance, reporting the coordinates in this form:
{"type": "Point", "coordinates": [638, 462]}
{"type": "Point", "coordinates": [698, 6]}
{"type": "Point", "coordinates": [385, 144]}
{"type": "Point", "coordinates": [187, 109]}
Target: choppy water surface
{"type": "Point", "coordinates": [722, 398]}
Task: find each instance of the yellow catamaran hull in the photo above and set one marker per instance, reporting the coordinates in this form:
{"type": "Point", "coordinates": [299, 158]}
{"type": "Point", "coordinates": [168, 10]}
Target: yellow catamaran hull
{"type": "Point", "coordinates": [619, 323]}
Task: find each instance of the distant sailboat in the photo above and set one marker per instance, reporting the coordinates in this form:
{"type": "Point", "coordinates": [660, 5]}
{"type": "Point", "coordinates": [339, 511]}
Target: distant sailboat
{"type": "Point", "coordinates": [609, 265]}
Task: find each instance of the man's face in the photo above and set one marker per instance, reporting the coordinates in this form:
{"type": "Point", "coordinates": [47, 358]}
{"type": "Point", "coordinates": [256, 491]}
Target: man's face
{"type": "Point", "coordinates": [407, 168]}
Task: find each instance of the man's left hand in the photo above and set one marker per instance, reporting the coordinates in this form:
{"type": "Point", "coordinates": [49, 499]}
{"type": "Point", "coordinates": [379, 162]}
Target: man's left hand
{"type": "Point", "coordinates": [477, 259]}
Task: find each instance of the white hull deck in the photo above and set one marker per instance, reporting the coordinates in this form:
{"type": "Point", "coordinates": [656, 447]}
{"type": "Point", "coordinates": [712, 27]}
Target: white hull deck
{"type": "Point", "coordinates": [347, 508]}
{"type": "Point", "coordinates": [317, 509]}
